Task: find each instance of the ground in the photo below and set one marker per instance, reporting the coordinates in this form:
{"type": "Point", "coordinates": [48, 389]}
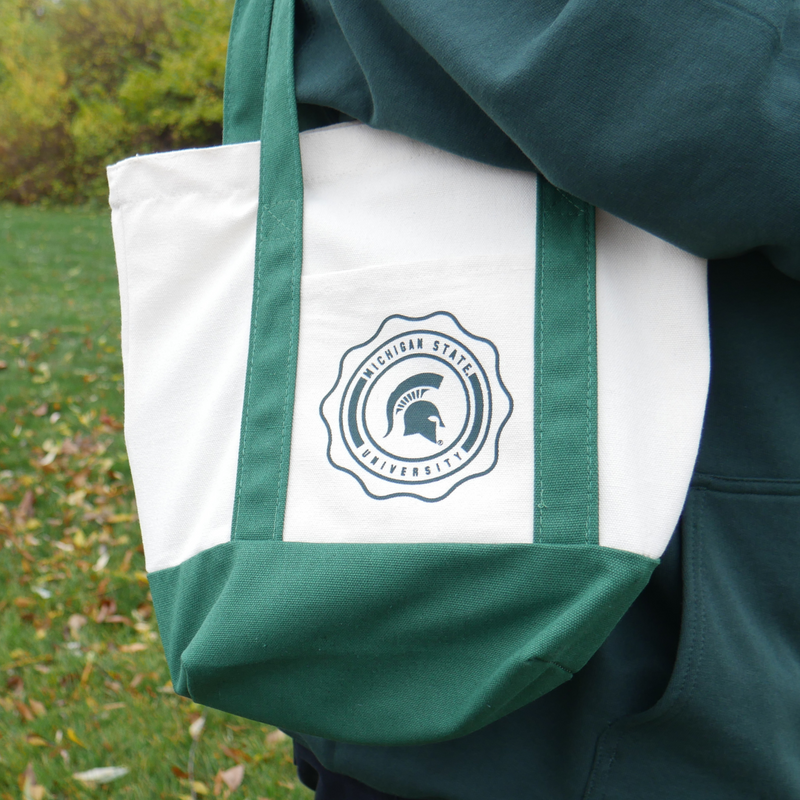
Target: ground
{"type": "Point", "coordinates": [84, 682]}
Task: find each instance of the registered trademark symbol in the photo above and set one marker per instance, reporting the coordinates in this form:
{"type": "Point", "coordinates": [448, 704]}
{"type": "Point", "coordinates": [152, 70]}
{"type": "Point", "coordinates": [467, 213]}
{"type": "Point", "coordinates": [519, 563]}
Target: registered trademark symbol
{"type": "Point", "coordinates": [440, 442]}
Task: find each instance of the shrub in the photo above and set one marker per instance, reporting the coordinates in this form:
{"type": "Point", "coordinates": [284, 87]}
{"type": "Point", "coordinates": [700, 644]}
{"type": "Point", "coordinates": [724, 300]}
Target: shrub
{"type": "Point", "coordinates": [84, 83]}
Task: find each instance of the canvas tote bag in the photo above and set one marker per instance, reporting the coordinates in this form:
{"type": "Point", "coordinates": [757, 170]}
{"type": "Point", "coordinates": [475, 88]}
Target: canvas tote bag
{"type": "Point", "coordinates": [408, 433]}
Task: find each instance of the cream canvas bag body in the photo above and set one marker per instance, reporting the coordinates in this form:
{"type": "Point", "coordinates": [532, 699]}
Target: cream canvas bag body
{"type": "Point", "coordinates": [408, 433]}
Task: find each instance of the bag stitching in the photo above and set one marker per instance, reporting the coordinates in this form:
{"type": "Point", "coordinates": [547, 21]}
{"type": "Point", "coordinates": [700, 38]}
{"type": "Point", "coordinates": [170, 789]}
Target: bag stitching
{"type": "Point", "coordinates": [586, 230]}
{"type": "Point", "coordinates": [290, 350]}
{"type": "Point", "coordinates": [280, 220]}
{"type": "Point", "coordinates": [561, 667]}
{"type": "Point", "coordinates": [540, 313]}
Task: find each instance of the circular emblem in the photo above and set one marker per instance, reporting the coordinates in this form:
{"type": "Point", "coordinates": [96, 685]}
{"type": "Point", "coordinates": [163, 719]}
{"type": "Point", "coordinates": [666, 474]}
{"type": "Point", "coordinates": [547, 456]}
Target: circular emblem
{"type": "Point", "coordinates": [417, 409]}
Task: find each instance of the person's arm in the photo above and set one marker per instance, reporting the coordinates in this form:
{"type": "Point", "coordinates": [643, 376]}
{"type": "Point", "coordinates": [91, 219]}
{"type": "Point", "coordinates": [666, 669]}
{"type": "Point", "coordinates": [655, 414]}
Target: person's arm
{"type": "Point", "coordinates": [680, 117]}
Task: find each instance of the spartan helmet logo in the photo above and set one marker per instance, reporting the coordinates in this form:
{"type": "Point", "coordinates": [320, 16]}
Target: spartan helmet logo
{"type": "Point", "coordinates": [387, 410]}
{"type": "Point", "coordinates": [419, 416]}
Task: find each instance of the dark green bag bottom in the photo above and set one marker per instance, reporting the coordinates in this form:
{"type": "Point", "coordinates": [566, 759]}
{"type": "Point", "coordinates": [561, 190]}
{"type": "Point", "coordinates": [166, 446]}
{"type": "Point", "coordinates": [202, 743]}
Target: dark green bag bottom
{"type": "Point", "coordinates": [387, 644]}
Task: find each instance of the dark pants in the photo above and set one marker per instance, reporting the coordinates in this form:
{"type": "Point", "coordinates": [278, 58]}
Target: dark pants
{"type": "Point", "coordinates": [330, 786]}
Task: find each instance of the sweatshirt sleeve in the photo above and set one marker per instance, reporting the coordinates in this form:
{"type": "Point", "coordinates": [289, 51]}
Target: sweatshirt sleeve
{"type": "Point", "coordinates": [682, 117]}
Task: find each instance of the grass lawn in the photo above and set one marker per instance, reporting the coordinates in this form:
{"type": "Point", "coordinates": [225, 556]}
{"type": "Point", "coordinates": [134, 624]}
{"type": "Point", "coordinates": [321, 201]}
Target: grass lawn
{"type": "Point", "coordinates": [84, 682]}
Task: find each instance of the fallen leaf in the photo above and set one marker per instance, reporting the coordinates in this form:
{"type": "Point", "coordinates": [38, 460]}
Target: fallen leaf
{"type": "Point", "coordinates": [3, 364]}
{"type": "Point", "coordinates": [36, 741]}
{"type": "Point", "coordinates": [24, 711]}
{"type": "Point", "coordinates": [31, 788]}
{"type": "Point", "coordinates": [73, 737]}
{"type": "Point", "coordinates": [275, 737]}
{"type": "Point", "coordinates": [37, 708]}
{"type": "Point", "coordinates": [101, 774]}
{"type": "Point", "coordinates": [75, 623]}
{"type": "Point", "coordinates": [115, 518]}
{"type": "Point", "coordinates": [102, 562]}
{"type": "Point", "coordinates": [15, 683]}
{"type": "Point", "coordinates": [106, 607]}
{"type": "Point", "coordinates": [69, 448]}
{"type": "Point", "coordinates": [40, 411]}
{"type": "Point", "coordinates": [143, 611]}
{"type": "Point", "coordinates": [76, 498]}
{"type": "Point", "coordinates": [136, 680]}
{"type": "Point", "coordinates": [25, 660]}
{"type": "Point", "coordinates": [136, 647]}
{"type": "Point", "coordinates": [87, 671]}
{"type": "Point", "coordinates": [126, 561]}
{"type": "Point", "coordinates": [44, 368]}
{"type": "Point", "coordinates": [199, 787]}
{"type": "Point", "coordinates": [49, 457]}
{"type": "Point", "coordinates": [25, 509]}
{"type": "Point", "coordinates": [233, 777]}
{"type": "Point", "coordinates": [286, 784]}
{"type": "Point", "coordinates": [178, 772]}
{"type": "Point", "coordinates": [236, 754]}
{"type": "Point", "coordinates": [196, 728]}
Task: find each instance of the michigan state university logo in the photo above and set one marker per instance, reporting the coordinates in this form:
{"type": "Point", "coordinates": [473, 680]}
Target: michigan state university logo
{"type": "Point", "coordinates": [418, 409]}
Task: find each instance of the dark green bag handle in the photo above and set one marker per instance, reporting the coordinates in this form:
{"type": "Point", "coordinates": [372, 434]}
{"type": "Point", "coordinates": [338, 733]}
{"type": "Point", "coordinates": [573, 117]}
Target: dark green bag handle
{"type": "Point", "coordinates": [266, 78]}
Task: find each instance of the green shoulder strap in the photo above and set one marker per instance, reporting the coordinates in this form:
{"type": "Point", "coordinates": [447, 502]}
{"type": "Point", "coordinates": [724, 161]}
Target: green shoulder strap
{"type": "Point", "coordinates": [245, 71]}
{"type": "Point", "coordinates": [261, 67]}
{"type": "Point", "coordinates": [565, 371]}
{"type": "Point", "coordinates": [263, 471]}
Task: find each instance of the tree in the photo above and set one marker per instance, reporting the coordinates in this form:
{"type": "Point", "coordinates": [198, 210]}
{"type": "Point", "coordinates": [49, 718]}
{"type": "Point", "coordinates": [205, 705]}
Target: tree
{"type": "Point", "coordinates": [84, 83]}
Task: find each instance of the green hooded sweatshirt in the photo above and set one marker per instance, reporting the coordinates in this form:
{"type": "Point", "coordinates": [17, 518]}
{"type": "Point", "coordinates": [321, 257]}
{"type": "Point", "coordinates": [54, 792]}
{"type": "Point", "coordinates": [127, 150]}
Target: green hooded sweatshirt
{"type": "Point", "coordinates": [684, 119]}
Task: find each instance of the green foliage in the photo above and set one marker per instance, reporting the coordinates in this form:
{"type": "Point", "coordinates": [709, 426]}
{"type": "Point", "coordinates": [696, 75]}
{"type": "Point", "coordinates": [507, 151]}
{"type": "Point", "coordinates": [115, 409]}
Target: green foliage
{"type": "Point", "coordinates": [35, 146]}
{"type": "Point", "coordinates": [84, 83]}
